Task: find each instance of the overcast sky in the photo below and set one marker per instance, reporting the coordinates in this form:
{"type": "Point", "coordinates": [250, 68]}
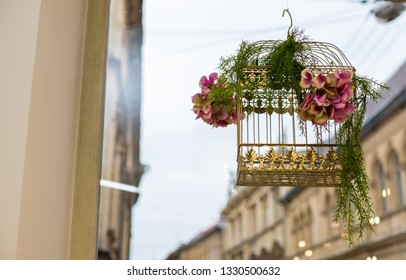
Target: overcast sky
{"type": "Point", "coordinates": [185, 188]}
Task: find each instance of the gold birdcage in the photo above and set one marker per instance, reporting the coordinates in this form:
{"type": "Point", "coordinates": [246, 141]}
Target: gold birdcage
{"type": "Point", "coordinates": [274, 147]}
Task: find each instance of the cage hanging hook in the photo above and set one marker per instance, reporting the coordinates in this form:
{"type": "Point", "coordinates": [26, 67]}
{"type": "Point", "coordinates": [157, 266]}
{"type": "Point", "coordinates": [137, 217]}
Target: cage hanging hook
{"type": "Point", "coordinates": [291, 21]}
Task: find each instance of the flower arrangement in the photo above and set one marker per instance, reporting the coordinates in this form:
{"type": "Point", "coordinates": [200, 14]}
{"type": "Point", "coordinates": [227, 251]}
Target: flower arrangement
{"type": "Point", "coordinates": [322, 97]}
{"type": "Point", "coordinates": [327, 97]}
{"type": "Point", "coordinates": [213, 107]}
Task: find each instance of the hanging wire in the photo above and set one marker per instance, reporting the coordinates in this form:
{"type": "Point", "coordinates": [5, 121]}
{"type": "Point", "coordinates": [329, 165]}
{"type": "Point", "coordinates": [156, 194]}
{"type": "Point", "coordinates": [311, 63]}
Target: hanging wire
{"type": "Point", "coordinates": [291, 21]}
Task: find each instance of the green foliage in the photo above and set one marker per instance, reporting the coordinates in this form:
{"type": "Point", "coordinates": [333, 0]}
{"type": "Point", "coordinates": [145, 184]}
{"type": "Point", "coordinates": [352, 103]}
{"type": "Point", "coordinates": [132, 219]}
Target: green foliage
{"type": "Point", "coordinates": [284, 61]}
{"type": "Point", "coordinates": [354, 205]}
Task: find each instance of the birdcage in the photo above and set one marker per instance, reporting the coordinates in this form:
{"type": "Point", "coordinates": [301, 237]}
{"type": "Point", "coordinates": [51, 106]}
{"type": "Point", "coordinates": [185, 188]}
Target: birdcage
{"type": "Point", "coordinates": [276, 148]}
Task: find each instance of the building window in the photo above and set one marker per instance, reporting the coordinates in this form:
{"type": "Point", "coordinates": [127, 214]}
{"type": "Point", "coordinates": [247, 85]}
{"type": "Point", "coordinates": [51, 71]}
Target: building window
{"type": "Point", "coordinates": [239, 228]}
{"type": "Point", "coordinates": [396, 179]}
{"type": "Point", "coordinates": [264, 202]}
{"type": "Point", "coordinates": [230, 230]}
{"type": "Point", "coordinates": [384, 190]}
{"type": "Point", "coordinates": [302, 230]}
{"type": "Point", "coordinates": [308, 227]}
{"type": "Point", "coordinates": [297, 234]}
{"type": "Point", "coordinates": [332, 228]}
{"type": "Point", "coordinates": [253, 220]}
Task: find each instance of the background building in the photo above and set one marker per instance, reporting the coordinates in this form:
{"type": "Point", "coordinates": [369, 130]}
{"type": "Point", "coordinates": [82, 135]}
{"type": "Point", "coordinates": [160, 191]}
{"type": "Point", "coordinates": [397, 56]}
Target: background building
{"type": "Point", "coordinates": [297, 223]}
{"type": "Point", "coordinates": [207, 245]}
{"type": "Point", "coordinates": [121, 167]}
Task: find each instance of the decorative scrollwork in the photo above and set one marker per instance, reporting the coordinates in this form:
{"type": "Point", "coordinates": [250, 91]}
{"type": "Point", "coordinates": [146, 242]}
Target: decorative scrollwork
{"type": "Point", "coordinates": [251, 157]}
{"type": "Point", "coordinates": [332, 159]}
{"type": "Point", "coordinates": [270, 156]}
{"type": "Point", "coordinates": [292, 157]}
{"type": "Point", "coordinates": [312, 158]}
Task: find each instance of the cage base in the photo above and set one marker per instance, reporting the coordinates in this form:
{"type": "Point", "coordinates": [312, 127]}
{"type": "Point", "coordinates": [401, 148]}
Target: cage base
{"type": "Point", "coordinates": [277, 178]}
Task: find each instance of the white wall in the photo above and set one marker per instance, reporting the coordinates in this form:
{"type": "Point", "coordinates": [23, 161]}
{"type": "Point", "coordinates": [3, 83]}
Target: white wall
{"type": "Point", "coordinates": [41, 57]}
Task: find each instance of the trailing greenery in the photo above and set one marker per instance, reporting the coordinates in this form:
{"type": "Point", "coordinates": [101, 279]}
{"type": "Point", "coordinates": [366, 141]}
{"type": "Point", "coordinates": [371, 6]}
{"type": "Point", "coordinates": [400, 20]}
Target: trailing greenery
{"type": "Point", "coordinates": [354, 205]}
{"type": "Point", "coordinates": [284, 62]}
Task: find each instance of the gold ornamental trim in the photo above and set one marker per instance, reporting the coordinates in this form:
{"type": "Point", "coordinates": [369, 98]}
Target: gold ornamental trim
{"type": "Point", "coordinates": [289, 169]}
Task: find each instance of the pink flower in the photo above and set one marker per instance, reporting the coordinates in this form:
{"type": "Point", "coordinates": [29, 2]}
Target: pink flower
{"type": "Point", "coordinates": [310, 110]}
{"type": "Point", "coordinates": [307, 77]}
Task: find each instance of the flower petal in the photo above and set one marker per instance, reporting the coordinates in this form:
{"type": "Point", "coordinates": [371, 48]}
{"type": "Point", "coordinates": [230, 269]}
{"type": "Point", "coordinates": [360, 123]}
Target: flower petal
{"type": "Point", "coordinates": [322, 120]}
{"type": "Point", "coordinates": [207, 108]}
{"type": "Point", "coordinates": [307, 77]}
{"type": "Point", "coordinates": [223, 115]}
{"type": "Point", "coordinates": [306, 74]}
{"type": "Point", "coordinates": [349, 108]}
{"type": "Point", "coordinates": [331, 80]}
{"type": "Point", "coordinates": [213, 77]}
{"type": "Point", "coordinates": [205, 89]}
{"type": "Point", "coordinates": [345, 78]}
{"type": "Point", "coordinates": [306, 103]}
{"type": "Point", "coordinates": [322, 100]}
{"type": "Point", "coordinates": [197, 99]}
{"type": "Point", "coordinates": [340, 105]}
{"type": "Point", "coordinates": [340, 119]}
{"type": "Point", "coordinates": [331, 111]}
{"type": "Point", "coordinates": [347, 93]}
{"type": "Point", "coordinates": [315, 110]}
{"type": "Point", "coordinates": [305, 116]}
{"type": "Point", "coordinates": [203, 82]}
{"type": "Point", "coordinates": [331, 92]}
{"type": "Point", "coordinates": [319, 81]}
{"type": "Point", "coordinates": [305, 83]}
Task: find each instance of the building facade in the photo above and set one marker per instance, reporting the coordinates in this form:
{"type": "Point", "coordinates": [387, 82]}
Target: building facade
{"type": "Point", "coordinates": [207, 245]}
{"type": "Point", "coordinates": [297, 223]}
{"type": "Point", "coordinates": [121, 167]}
